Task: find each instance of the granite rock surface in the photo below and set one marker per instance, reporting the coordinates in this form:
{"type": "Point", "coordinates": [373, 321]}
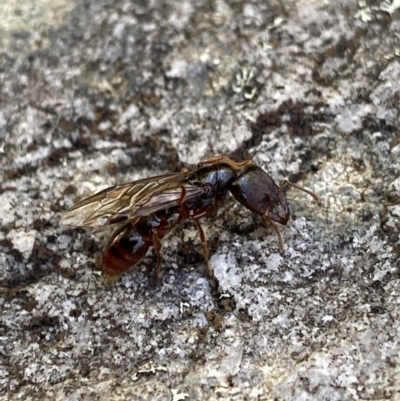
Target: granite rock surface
{"type": "Point", "coordinates": [99, 92]}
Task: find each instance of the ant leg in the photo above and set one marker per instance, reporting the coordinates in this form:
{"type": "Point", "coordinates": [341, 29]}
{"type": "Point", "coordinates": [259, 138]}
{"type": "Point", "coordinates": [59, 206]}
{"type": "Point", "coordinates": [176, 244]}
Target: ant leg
{"type": "Point", "coordinates": [278, 233]}
{"type": "Point", "coordinates": [182, 197]}
{"type": "Point", "coordinates": [209, 272]}
{"type": "Point", "coordinates": [183, 212]}
{"type": "Point", "coordinates": [149, 269]}
{"type": "Point", "coordinates": [286, 183]}
{"type": "Point", "coordinates": [157, 275]}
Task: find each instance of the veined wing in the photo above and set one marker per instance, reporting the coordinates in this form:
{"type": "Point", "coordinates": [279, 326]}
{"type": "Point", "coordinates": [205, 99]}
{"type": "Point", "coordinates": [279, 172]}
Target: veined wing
{"type": "Point", "coordinates": [167, 199]}
{"type": "Point", "coordinates": [134, 199]}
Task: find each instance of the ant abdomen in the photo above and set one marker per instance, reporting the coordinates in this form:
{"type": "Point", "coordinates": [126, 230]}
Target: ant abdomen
{"type": "Point", "coordinates": [123, 251]}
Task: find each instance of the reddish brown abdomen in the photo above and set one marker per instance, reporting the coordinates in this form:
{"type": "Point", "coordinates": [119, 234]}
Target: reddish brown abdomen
{"type": "Point", "coordinates": [124, 250]}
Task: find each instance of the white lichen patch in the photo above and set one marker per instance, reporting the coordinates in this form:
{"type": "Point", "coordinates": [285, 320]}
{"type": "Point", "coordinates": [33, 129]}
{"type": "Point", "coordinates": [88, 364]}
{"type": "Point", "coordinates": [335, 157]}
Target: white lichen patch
{"type": "Point", "coordinates": [22, 241]}
{"type": "Point", "coordinates": [226, 270]}
{"type": "Point", "coordinates": [8, 201]}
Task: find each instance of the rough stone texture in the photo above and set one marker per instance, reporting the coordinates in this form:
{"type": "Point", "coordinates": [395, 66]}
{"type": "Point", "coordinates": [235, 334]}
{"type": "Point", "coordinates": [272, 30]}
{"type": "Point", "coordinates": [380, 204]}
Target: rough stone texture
{"type": "Point", "coordinates": [97, 92]}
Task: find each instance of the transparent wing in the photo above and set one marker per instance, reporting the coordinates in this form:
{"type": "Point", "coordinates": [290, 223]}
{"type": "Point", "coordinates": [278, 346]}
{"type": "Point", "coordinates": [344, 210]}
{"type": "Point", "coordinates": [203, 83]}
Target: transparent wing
{"type": "Point", "coordinates": [128, 201]}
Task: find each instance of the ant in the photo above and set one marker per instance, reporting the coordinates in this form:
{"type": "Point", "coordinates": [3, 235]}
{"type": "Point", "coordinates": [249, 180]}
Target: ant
{"type": "Point", "coordinates": [146, 210]}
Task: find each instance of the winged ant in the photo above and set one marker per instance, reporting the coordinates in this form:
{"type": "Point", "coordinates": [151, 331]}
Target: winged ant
{"type": "Point", "coordinates": [146, 210]}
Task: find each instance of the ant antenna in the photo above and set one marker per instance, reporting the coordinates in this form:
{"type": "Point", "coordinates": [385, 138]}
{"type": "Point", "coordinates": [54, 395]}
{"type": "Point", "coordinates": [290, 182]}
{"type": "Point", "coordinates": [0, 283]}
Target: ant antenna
{"type": "Point", "coordinates": [286, 183]}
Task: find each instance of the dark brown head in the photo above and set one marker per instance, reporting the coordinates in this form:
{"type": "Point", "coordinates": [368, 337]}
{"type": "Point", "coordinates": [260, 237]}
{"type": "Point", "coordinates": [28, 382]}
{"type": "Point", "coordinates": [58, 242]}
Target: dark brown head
{"type": "Point", "coordinates": [257, 191]}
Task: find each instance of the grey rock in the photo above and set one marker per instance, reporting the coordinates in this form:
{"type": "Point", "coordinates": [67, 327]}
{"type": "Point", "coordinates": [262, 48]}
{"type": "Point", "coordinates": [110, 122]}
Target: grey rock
{"type": "Point", "coordinates": [99, 92]}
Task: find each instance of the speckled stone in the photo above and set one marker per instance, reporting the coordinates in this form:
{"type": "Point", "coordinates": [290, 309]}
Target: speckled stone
{"type": "Point", "coordinates": [99, 92]}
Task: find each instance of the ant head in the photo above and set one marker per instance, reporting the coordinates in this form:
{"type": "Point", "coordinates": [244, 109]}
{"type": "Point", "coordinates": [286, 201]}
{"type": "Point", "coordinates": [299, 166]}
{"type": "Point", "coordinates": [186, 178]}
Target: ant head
{"type": "Point", "coordinates": [257, 191]}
